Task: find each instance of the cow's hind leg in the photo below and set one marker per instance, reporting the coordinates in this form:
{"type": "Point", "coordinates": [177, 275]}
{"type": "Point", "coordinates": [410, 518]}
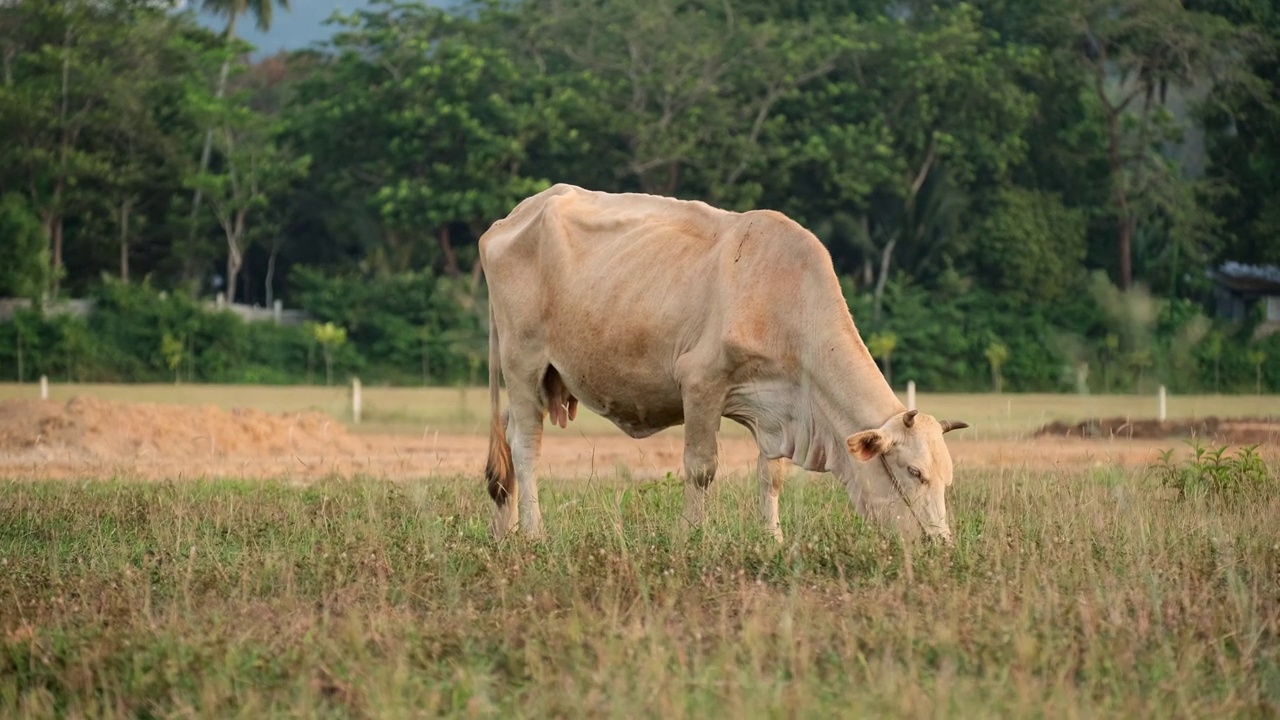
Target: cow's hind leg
{"type": "Point", "coordinates": [501, 475]}
{"type": "Point", "coordinates": [771, 474]}
{"type": "Point", "coordinates": [525, 433]}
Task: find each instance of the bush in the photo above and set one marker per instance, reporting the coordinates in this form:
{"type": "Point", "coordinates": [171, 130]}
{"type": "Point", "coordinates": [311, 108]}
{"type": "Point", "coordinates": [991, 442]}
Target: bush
{"type": "Point", "coordinates": [1213, 473]}
{"type": "Point", "coordinates": [410, 326]}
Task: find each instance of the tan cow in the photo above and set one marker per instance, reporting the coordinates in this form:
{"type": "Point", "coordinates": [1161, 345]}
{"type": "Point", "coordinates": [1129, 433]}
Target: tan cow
{"type": "Point", "coordinates": [654, 312]}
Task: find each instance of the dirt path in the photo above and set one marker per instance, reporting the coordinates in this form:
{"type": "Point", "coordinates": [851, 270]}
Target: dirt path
{"type": "Point", "coordinates": [88, 438]}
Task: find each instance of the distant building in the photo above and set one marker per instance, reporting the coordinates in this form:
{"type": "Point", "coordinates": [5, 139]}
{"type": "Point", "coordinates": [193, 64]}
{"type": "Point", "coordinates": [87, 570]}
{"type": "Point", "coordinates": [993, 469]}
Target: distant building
{"type": "Point", "coordinates": [1237, 287]}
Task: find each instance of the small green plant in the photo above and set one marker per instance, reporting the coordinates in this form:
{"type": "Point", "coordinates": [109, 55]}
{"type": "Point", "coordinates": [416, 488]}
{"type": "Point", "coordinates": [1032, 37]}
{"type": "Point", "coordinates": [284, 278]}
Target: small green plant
{"type": "Point", "coordinates": [881, 345]}
{"type": "Point", "coordinates": [330, 337]}
{"type": "Point", "coordinates": [1214, 472]}
{"type": "Point", "coordinates": [997, 353]}
{"type": "Point", "coordinates": [1257, 358]}
{"type": "Point", "coordinates": [1213, 346]}
{"type": "Point", "coordinates": [174, 350]}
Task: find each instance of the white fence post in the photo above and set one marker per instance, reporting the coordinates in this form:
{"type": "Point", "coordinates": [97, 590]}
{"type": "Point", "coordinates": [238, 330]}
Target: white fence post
{"type": "Point", "coordinates": [1163, 409]}
{"type": "Point", "coordinates": [911, 394]}
{"type": "Point", "coordinates": [277, 310]}
{"type": "Point", "coordinates": [44, 387]}
{"type": "Point", "coordinates": [355, 400]}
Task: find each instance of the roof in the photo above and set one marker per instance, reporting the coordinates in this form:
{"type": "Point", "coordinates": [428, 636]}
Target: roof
{"type": "Point", "coordinates": [1253, 279]}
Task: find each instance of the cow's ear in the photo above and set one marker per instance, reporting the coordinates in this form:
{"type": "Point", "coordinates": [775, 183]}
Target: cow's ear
{"type": "Point", "coordinates": [868, 444]}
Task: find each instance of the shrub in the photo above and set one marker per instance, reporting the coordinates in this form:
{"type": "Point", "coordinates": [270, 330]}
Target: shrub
{"type": "Point", "coordinates": [1214, 473]}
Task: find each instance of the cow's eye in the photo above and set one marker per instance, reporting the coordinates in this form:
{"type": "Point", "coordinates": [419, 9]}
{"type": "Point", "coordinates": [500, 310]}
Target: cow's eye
{"type": "Point", "coordinates": [915, 473]}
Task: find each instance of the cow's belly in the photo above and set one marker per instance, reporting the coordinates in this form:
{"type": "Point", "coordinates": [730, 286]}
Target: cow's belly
{"type": "Point", "coordinates": [640, 398]}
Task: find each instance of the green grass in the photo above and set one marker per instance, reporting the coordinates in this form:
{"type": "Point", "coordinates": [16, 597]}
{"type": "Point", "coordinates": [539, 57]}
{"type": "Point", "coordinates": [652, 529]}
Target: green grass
{"type": "Point", "coordinates": [467, 410]}
{"type": "Point", "coordinates": [1088, 595]}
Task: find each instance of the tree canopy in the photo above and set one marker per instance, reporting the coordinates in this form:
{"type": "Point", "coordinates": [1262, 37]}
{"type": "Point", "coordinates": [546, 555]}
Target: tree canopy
{"type": "Point", "coordinates": [960, 160]}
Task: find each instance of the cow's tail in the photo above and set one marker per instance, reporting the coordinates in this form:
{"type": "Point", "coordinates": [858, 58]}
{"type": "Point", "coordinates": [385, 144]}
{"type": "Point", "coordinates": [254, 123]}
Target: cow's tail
{"type": "Point", "coordinates": [498, 469]}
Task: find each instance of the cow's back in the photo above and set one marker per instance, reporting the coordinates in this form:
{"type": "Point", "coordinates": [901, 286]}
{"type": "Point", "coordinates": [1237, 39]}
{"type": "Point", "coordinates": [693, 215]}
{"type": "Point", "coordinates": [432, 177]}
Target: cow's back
{"type": "Point", "coordinates": [612, 289]}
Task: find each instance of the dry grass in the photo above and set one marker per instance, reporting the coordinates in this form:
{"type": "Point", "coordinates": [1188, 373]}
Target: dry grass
{"type": "Point", "coordinates": [466, 410]}
{"type": "Point", "coordinates": [1086, 595]}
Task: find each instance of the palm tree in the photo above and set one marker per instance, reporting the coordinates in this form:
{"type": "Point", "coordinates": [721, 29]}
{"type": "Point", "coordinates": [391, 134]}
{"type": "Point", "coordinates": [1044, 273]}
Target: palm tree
{"type": "Point", "coordinates": [262, 12]}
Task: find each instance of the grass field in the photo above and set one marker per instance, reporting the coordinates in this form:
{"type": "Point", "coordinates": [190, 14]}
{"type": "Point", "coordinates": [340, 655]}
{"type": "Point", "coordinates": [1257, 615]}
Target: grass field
{"type": "Point", "coordinates": [1068, 595]}
{"type": "Point", "coordinates": [1086, 591]}
{"type": "Point", "coordinates": [466, 410]}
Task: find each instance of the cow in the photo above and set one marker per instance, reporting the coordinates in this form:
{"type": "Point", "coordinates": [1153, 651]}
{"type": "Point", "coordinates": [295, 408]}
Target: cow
{"type": "Point", "coordinates": [655, 312]}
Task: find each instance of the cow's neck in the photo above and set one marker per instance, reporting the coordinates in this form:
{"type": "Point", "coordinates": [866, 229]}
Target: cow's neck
{"type": "Point", "coordinates": [846, 394]}
{"type": "Point", "coordinates": [849, 388]}
{"type": "Point", "coordinates": [837, 391]}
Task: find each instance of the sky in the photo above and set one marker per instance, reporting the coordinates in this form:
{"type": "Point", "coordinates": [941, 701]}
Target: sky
{"type": "Point", "coordinates": [291, 30]}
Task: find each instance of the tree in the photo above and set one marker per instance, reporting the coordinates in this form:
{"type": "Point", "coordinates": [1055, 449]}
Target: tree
{"type": "Point", "coordinates": [1243, 140]}
{"type": "Point", "coordinates": [685, 93]}
{"type": "Point", "coordinates": [1030, 246]}
{"type": "Point", "coordinates": [141, 146]}
{"type": "Point", "coordinates": [1137, 53]}
{"type": "Point", "coordinates": [53, 94]}
{"type": "Point", "coordinates": [879, 156]}
{"type": "Point", "coordinates": [422, 143]}
{"type": "Point", "coordinates": [24, 263]}
{"type": "Point", "coordinates": [89, 121]}
{"type": "Point", "coordinates": [262, 11]}
{"type": "Point", "coordinates": [254, 168]}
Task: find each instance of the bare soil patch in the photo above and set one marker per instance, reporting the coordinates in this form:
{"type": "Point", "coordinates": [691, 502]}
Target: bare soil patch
{"type": "Point", "coordinates": [1235, 431]}
{"type": "Point", "coordinates": [91, 438]}
{"type": "Point", "coordinates": [94, 429]}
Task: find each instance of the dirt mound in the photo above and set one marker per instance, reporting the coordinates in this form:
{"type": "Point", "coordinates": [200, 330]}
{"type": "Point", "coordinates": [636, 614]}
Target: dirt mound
{"type": "Point", "coordinates": [1240, 431]}
{"type": "Point", "coordinates": [103, 430]}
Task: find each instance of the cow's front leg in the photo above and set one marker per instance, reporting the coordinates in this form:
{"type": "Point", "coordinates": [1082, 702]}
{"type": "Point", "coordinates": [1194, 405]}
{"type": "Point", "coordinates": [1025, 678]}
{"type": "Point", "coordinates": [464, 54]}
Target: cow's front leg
{"type": "Point", "coordinates": [771, 474]}
{"type": "Point", "coordinates": [701, 422]}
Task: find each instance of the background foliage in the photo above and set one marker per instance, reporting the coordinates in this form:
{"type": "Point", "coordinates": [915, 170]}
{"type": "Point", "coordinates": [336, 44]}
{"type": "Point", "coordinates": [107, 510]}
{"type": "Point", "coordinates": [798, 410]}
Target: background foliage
{"type": "Point", "coordinates": [1053, 178]}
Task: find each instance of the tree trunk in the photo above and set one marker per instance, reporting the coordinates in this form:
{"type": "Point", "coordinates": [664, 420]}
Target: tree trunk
{"type": "Point", "coordinates": [271, 272]}
{"type": "Point", "coordinates": [1126, 241]}
{"type": "Point", "coordinates": [55, 210]}
{"type": "Point", "coordinates": [446, 248]}
{"type": "Point", "coordinates": [886, 256]}
{"type": "Point", "coordinates": [57, 253]}
{"type": "Point", "coordinates": [1120, 195]}
{"type": "Point", "coordinates": [235, 253]}
{"type": "Point", "coordinates": [125, 207]}
{"type": "Point", "coordinates": [207, 150]}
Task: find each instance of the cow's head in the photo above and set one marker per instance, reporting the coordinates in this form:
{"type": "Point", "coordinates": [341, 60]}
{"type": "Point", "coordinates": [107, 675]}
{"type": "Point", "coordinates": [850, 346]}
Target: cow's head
{"type": "Point", "coordinates": [904, 461]}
